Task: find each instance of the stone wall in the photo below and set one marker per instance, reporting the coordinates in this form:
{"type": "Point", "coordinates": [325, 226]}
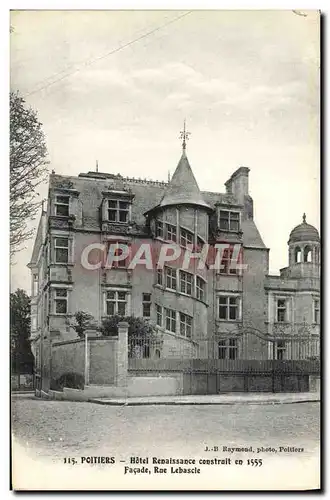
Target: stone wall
{"type": "Point", "coordinates": [69, 357]}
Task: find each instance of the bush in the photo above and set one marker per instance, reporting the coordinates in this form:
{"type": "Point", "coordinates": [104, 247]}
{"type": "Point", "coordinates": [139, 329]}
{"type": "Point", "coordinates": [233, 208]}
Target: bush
{"type": "Point", "coordinates": [137, 327]}
{"type": "Point", "coordinates": [71, 380]}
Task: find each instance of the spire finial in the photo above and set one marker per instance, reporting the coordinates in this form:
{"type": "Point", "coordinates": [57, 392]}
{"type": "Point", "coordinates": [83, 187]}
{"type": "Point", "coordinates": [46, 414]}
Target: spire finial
{"type": "Point", "coordinates": [97, 165]}
{"type": "Point", "coordinates": [184, 135]}
{"type": "Point", "coordinates": [168, 176]}
{"type": "Point", "coordinates": [304, 217]}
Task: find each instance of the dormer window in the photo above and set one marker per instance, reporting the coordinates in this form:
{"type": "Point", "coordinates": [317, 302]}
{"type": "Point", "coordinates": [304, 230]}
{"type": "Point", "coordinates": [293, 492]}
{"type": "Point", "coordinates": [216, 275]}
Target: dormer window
{"type": "Point", "coordinates": [62, 205]}
{"type": "Point", "coordinates": [118, 211]}
{"type": "Point", "coordinates": [229, 220]}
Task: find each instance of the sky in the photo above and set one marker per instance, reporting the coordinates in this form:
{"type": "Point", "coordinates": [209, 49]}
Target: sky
{"type": "Point", "coordinates": [115, 86]}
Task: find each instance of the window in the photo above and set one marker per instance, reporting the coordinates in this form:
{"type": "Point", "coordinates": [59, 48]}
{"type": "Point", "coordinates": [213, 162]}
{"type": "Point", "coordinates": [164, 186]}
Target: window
{"type": "Point", "coordinates": [62, 205]}
{"type": "Point", "coordinates": [35, 288]}
{"type": "Point", "coordinates": [281, 310]}
{"type": "Point", "coordinates": [170, 232]}
{"type": "Point", "coordinates": [116, 303]}
{"type": "Point", "coordinates": [316, 315]}
{"type": "Point", "coordinates": [185, 325]}
{"type": "Point", "coordinates": [159, 229]}
{"type": "Point", "coordinates": [186, 282]}
{"type": "Point", "coordinates": [61, 301]}
{"type": "Point", "coordinates": [118, 211]}
{"type": "Point", "coordinates": [228, 349]}
{"type": "Point", "coordinates": [200, 243]}
{"type": "Point", "coordinates": [46, 308]}
{"type": "Point", "coordinates": [297, 255]}
{"type": "Point", "coordinates": [170, 275]}
{"type": "Point", "coordinates": [159, 315]}
{"type": "Point", "coordinates": [115, 250]}
{"type": "Point", "coordinates": [226, 262]}
{"type": "Point", "coordinates": [200, 288]}
{"type": "Point", "coordinates": [307, 254]}
{"type": "Point", "coordinates": [159, 277]}
{"type": "Point", "coordinates": [186, 237]}
{"type": "Point", "coordinates": [34, 322]}
{"type": "Point", "coordinates": [61, 246]}
{"type": "Point", "coordinates": [232, 349]}
{"type": "Point", "coordinates": [229, 221]}
{"type": "Point", "coordinates": [280, 349]}
{"type": "Point", "coordinates": [222, 346]}
{"type": "Point", "coordinates": [170, 320]}
{"type": "Point", "coordinates": [229, 307]}
{"type": "Point", "coordinates": [146, 305]}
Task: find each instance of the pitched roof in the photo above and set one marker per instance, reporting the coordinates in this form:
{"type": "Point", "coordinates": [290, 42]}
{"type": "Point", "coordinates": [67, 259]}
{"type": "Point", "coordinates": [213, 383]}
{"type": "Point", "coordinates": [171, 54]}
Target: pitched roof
{"type": "Point", "coordinates": [183, 187]}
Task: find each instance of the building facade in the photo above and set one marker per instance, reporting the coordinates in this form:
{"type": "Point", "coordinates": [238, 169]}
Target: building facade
{"type": "Point", "coordinates": [197, 311]}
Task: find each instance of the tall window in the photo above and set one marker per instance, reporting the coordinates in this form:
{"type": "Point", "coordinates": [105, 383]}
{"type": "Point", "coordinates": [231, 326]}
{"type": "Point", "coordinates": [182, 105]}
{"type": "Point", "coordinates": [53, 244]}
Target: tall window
{"type": "Point", "coordinates": [200, 243]}
{"type": "Point", "coordinates": [46, 306]}
{"type": "Point", "coordinates": [160, 277]}
{"type": "Point", "coordinates": [35, 285]}
{"type": "Point", "coordinates": [146, 305]}
{"type": "Point", "coordinates": [229, 307]}
{"type": "Point", "coordinates": [61, 246]}
{"type": "Point", "coordinates": [159, 228]}
{"type": "Point", "coordinates": [280, 349]}
{"type": "Point", "coordinates": [115, 249]}
{"type": "Point", "coordinates": [170, 275]}
{"type": "Point", "coordinates": [200, 288]}
{"type": "Point", "coordinates": [170, 320]}
{"type": "Point", "coordinates": [229, 221]}
{"type": "Point", "coordinates": [118, 211]}
{"type": "Point", "coordinates": [228, 348]}
{"type": "Point", "coordinates": [281, 310]}
{"type": "Point", "coordinates": [62, 205]}
{"type": "Point", "coordinates": [226, 262]}
{"type": "Point", "coordinates": [170, 232]}
{"type": "Point", "coordinates": [159, 315]}
{"type": "Point", "coordinates": [61, 301]}
{"type": "Point", "coordinates": [116, 303]}
{"type": "Point", "coordinates": [316, 312]}
{"type": "Point", "coordinates": [307, 254]}
{"type": "Point", "coordinates": [185, 325]}
{"type": "Point", "coordinates": [186, 282]}
{"type": "Point", "coordinates": [186, 237]}
{"type": "Point", "coordinates": [297, 254]}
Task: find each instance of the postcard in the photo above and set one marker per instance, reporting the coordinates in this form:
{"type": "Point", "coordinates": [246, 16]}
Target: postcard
{"type": "Point", "coordinates": [165, 250]}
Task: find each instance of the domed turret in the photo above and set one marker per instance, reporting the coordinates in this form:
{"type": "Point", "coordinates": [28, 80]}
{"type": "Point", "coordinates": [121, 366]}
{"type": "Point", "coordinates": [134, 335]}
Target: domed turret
{"type": "Point", "coordinates": [304, 232]}
{"type": "Point", "coordinates": [304, 246]}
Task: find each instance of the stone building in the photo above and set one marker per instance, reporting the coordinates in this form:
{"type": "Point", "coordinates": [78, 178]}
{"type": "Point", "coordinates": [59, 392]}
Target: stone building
{"type": "Point", "coordinates": [197, 312]}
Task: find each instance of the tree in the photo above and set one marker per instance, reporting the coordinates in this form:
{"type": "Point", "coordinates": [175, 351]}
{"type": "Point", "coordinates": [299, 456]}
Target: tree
{"type": "Point", "coordinates": [28, 168]}
{"type": "Point", "coordinates": [137, 327]}
{"type": "Point", "coordinates": [21, 356]}
{"type": "Point", "coordinates": [82, 322]}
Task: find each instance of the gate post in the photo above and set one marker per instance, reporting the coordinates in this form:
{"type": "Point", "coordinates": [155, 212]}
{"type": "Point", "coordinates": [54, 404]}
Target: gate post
{"type": "Point", "coordinates": [273, 368]}
{"type": "Point", "coordinates": [122, 354]}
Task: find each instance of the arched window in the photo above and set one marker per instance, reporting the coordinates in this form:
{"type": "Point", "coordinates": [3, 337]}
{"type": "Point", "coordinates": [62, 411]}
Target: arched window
{"type": "Point", "coordinates": [307, 254]}
{"type": "Point", "coordinates": [157, 353]}
{"type": "Point", "coordinates": [297, 254]}
{"type": "Point", "coordinates": [317, 255]}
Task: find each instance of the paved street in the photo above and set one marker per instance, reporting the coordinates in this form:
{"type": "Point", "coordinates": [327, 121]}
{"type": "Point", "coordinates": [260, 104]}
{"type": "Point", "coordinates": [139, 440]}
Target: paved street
{"type": "Point", "coordinates": [59, 427]}
{"type": "Point", "coordinates": [52, 430]}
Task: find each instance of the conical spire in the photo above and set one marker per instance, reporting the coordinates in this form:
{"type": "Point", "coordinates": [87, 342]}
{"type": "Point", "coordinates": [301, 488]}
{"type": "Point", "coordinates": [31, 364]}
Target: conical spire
{"type": "Point", "coordinates": [183, 187]}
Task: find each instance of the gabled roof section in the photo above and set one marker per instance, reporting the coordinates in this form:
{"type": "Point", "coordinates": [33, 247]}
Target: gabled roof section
{"type": "Point", "coordinates": [183, 187]}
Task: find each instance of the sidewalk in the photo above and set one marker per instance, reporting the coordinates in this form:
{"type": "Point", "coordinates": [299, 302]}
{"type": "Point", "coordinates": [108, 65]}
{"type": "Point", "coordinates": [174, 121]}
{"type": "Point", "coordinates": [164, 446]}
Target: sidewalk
{"type": "Point", "coordinates": [217, 399]}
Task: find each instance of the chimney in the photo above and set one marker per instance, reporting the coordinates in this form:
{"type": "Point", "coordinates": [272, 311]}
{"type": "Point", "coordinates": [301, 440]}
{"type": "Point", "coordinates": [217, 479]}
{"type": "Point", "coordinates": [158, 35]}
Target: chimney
{"type": "Point", "coordinates": [238, 184]}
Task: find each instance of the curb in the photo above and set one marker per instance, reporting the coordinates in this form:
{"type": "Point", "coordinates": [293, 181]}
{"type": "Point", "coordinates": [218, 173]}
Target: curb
{"type": "Point", "coordinates": [189, 403]}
